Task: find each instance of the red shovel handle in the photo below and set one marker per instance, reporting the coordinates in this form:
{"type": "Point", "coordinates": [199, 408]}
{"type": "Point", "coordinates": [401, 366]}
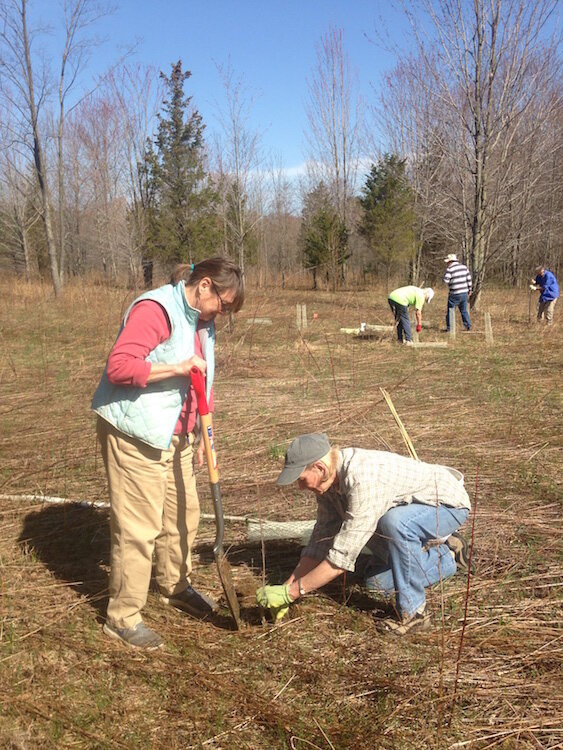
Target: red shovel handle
{"type": "Point", "coordinates": [198, 384]}
{"type": "Point", "coordinates": [206, 427]}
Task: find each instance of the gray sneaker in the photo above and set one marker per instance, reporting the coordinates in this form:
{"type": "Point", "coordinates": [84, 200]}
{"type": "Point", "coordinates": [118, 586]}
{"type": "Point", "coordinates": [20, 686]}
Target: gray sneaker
{"type": "Point", "coordinates": [191, 601]}
{"type": "Point", "coordinates": [139, 637]}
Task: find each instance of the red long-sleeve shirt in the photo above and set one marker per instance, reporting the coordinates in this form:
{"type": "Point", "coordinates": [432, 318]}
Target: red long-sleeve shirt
{"type": "Point", "coordinates": [148, 326]}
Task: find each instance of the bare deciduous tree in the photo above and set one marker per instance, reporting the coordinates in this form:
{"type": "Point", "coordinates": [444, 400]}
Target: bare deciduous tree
{"type": "Point", "coordinates": [19, 211]}
{"type": "Point", "coordinates": [79, 15]}
{"type": "Point", "coordinates": [406, 114]}
{"type": "Point", "coordinates": [238, 158]}
{"type": "Point", "coordinates": [485, 62]}
{"type": "Point", "coordinates": [18, 193]}
{"type": "Point", "coordinates": [138, 92]}
{"type": "Point", "coordinates": [25, 84]}
{"type": "Point", "coordinates": [280, 224]}
{"type": "Point", "coordinates": [334, 114]}
{"type": "Point", "coordinates": [19, 86]}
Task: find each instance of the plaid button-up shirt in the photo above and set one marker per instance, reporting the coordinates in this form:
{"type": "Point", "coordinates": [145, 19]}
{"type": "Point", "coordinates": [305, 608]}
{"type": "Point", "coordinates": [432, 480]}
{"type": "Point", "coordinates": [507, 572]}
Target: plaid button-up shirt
{"type": "Point", "coordinates": [369, 483]}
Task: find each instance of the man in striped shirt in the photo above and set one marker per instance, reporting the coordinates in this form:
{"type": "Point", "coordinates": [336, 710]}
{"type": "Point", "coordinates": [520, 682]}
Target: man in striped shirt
{"type": "Point", "coordinates": [458, 278]}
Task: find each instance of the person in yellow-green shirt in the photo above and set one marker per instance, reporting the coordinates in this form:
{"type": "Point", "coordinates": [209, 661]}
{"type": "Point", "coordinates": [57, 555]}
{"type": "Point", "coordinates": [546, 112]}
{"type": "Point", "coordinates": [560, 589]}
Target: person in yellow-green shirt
{"type": "Point", "coordinates": [400, 300]}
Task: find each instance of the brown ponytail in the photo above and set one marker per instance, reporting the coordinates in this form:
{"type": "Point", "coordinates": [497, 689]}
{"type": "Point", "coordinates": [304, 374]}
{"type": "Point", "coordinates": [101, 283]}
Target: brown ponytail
{"type": "Point", "coordinates": [223, 272]}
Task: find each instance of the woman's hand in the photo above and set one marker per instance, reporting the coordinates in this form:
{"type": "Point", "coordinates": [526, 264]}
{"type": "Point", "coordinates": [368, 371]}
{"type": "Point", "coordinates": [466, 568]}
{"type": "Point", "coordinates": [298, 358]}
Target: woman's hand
{"type": "Point", "coordinates": [200, 453]}
{"type": "Point", "coordinates": [195, 361]}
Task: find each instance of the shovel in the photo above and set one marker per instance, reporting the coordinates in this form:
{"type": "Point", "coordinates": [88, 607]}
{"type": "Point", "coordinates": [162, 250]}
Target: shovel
{"type": "Point", "coordinates": [223, 566]}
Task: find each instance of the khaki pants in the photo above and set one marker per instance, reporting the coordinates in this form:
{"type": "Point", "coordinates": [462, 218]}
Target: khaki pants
{"type": "Point", "coordinates": [153, 507]}
{"type": "Point", "coordinates": [546, 308]}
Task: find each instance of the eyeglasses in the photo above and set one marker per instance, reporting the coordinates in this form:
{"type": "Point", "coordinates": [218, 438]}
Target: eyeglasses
{"type": "Point", "coordinates": [226, 307]}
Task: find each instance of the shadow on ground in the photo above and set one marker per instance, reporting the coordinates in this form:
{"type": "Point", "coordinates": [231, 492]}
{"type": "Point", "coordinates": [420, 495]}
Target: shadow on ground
{"type": "Point", "coordinates": [73, 543]}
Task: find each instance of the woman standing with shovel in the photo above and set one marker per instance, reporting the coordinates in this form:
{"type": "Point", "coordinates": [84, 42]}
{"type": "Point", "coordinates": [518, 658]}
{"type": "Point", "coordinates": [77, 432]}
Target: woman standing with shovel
{"type": "Point", "coordinates": [147, 415]}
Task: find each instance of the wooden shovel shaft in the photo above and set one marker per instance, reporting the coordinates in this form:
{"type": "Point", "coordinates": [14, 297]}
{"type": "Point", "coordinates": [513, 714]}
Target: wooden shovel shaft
{"type": "Point", "coordinates": [211, 458]}
{"type": "Point", "coordinates": [223, 567]}
{"type": "Point", "coordinates": [210, 455]}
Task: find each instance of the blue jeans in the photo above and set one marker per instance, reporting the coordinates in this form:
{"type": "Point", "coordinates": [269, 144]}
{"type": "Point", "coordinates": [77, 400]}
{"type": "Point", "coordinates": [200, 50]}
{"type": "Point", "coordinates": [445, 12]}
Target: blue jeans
{"type": "Point", "coordinates": [458, 300]}
{"type": "Point", "coordinates": [401, 313]}
{"type": "Point", "coordinates": [404, 564]}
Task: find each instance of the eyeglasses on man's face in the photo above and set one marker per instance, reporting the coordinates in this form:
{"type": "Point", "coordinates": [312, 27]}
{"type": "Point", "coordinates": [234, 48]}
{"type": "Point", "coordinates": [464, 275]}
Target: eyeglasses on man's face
{"type": "Point", "coordinates": [226, 307]}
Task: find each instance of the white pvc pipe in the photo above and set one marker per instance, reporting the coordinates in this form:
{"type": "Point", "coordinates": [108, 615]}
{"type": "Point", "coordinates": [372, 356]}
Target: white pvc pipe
{"type": "Point", "coordinates": [257, 529]}
{"type": "Point", "coordinates": [98, 504]}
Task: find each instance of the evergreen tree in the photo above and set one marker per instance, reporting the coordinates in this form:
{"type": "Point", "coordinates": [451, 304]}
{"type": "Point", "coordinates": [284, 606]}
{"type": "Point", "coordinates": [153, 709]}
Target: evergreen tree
{"type": "Point", "coordinates": [324, 236]}
{"type": "Point", "coordinates": [388, 212]}
{"type": "Point", "coordinates": [180, 200]}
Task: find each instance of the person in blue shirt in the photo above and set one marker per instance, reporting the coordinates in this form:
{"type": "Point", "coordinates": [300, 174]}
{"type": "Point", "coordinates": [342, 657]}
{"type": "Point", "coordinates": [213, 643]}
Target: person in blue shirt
{"type": "Point", "coordinates": [546, 282]}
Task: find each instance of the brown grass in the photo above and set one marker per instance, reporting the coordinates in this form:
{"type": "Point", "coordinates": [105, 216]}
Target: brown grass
{"type": "Point", "coordinates": [323, 678]}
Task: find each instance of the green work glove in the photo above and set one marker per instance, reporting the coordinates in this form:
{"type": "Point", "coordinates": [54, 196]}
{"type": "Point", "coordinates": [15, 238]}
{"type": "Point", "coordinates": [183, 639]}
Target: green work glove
{"type": "Point", "coordinates": [276, 599]}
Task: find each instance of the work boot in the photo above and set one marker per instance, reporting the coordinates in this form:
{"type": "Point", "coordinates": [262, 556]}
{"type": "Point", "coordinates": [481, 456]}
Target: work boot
{"type": "Point", "coordinates": [138, 637]}
{"type": "Point", "coordinates": [460, 548]}
{"type": "Point", "coordinates": [191, 601]}
{"type": "Point", "coordinates": [400, 626]}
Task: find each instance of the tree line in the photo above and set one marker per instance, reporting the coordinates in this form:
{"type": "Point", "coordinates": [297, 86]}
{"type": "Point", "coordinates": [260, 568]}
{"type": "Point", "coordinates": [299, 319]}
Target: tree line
{"type": "Point", "coordinates": [459, 150]}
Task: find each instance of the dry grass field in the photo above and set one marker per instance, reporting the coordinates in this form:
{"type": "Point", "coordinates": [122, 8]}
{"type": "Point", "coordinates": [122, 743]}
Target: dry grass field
{"type": "Point", "coordinates": [488, 675]}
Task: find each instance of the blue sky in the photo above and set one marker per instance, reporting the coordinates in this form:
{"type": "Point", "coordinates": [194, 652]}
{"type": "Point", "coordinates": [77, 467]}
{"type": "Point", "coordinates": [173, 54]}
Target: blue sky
{"type": "Point", "coordinates": [270, 44]}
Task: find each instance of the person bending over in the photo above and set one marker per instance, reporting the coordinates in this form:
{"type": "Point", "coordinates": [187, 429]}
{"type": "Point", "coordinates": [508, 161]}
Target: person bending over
{"type": "Point", "coordinates": [407, 512]}
{"type": "Point", "coordinates": [399, 301]}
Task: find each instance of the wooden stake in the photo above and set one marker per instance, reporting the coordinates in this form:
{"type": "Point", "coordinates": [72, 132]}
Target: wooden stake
{"type": "Point", "coordinates": [488, 328]}
{"type": "Point", "coordinates": [404, 433]}
{"type": "Point", "coordinates": [301, 317]}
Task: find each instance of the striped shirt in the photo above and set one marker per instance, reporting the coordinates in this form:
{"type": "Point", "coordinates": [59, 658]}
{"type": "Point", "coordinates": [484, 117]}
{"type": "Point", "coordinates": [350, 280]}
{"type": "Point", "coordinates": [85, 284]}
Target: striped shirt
{"type": "Point", "coordinates": [458, 277]}
{"type": "Point", "coordinates": [369, 484]}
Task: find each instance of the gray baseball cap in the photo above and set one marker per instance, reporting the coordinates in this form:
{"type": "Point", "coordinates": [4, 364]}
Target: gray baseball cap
{"type": "Point", "coordinates": [304, 450]}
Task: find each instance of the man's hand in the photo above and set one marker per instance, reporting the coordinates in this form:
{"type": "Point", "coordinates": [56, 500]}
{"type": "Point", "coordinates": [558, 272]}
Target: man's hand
{"type": "Point", "coordinates": [276, 599]}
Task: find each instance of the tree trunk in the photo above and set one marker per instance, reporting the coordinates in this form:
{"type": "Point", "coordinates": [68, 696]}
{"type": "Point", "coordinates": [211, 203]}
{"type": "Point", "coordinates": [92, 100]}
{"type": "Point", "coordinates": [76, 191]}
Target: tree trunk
{"type": "Point", "coordinates": [39, 161]}
{"type": "Point", "coordinates": [148, 267]}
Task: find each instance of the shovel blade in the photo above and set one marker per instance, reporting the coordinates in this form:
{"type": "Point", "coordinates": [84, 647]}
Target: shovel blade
{"type": "Point", "coordinates": [226, 576]}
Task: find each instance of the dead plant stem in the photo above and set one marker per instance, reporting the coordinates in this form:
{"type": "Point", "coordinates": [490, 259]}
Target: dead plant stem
{"type": "Point", "coordinates": [324, 735]}
{"type": "Point", "coordinates": [466, 604]}
{"type": "Point", "coordinates": [332, 369]}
